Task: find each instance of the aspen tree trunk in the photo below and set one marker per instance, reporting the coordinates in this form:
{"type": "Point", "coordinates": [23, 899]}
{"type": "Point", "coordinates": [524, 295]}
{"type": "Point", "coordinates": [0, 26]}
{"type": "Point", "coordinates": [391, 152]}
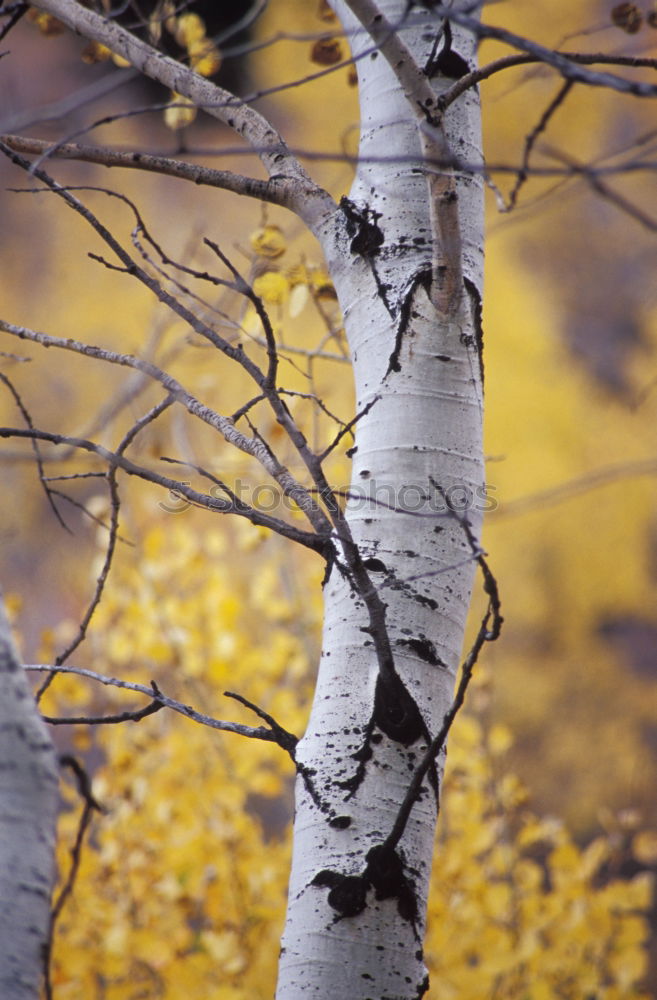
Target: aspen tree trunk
{"type": "Point", "coordinates": [356, 918]}
{"type": "Point", "coordinates": [28, 810]}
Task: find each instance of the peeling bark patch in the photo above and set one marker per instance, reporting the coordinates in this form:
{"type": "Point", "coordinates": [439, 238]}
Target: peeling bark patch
{"type": "Point", "coordinates": [475, 300]}
{"type": "Point", "coordinates": [422, 277]}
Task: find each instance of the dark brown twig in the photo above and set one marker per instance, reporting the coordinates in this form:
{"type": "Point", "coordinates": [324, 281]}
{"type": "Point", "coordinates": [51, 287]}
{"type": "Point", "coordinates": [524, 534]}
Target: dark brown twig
{"type": "Point", "coordinates": [531, 138]}
{"type": "Point", "coordinates": [489, 631]}
{"type": "Point", "coordinates": [113, 530]}
{"type": "Point", "coordinates": [283, 737]}
{"type": "Point", "coordinates": [37, 452]}
{"type": "Point", "coordinates": [97, 720]}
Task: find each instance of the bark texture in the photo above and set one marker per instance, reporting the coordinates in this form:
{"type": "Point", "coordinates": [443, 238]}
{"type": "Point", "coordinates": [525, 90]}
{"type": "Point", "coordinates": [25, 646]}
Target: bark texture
{"type": "Point", "coordinates": [28, 810]}
{"type": "Point", "coordinates": [356, 918]}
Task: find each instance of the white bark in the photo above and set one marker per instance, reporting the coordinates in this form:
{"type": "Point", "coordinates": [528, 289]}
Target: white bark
{"type": "Point", "coordinates": [424, 428]}
{"type": "Point", "coordinates": [28, 810]}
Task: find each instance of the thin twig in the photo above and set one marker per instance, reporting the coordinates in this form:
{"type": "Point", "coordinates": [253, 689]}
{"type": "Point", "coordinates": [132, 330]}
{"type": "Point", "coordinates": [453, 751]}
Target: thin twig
{"type": "Point", "coordinates": [508, 62]}
{"type": "Point", "coordinates": [531, 138]}
{"type": "Point", "coordinates": [569, 68]}
{"type": "Point", "coordinates": [97, 720]}
{"type": "Point", "coordinates": [489, 631]}
{"type": "Point", "coordinates": [249, 187]}
{"type": "Point", "coordinates": [37, 452]}
{"type": "Point", "coordinates": [311, 540]}
{"type": "Point", "coordinates": [347, 428]}
{"type": "Point", "coordinates": [155, 694]}
{"type": "Point", "coordinates": [284, 737]}
{"type": "Point", "coordinates": [14, 17]}
{"type": "Point", "coordinates": [113, 530]}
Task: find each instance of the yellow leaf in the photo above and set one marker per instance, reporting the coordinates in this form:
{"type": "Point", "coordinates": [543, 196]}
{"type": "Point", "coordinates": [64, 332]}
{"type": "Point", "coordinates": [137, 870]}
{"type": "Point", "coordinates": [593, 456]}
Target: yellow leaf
{"type": "Point", "coordinates": [298, 298]}
{"type": "Point", "coordinates": [181, 112]}
{"type": "Point", "coordinates": [298, 275]}
{"type": "Point", "coordinates": [327, 52]}
{"type": "Point", "coordinates": [94, 52]}
{"type": "Point", "coordinates": [46, 23]}
{"type": "Point", "coordinates": [322, 284]}
{"type": "Point", "coordinates": [272, 287]}
{"type": "Point", "coordinates": [268, 241]}
{"type": "Point", "coordinates": [644, 847]}
{"type": "Point", "coordinates": [190, 29]}
{"type": "Point", "coordinates": [205, 59]}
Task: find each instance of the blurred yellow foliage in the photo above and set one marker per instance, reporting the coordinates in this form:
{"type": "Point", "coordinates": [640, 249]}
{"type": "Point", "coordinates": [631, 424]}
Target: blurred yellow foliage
{"type": "Point", "coordinates": [272, 287]}
{"type": "Point", "coordinates": [180, 112]}
{"type": "Point", "coordinates": [268, 241]}
{"type": "Point", "coordinates": [182, 887]}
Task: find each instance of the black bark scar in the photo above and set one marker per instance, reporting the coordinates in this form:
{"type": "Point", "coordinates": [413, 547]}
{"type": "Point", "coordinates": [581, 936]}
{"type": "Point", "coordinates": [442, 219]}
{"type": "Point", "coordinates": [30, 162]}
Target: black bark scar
{"type": "Point", "coordinates": [366, 239]}
{"type": "Point", "coordinates": [447, 62]}
{"type": "Point", "coordinates": [396, 714]}
{"type": "Point", "coordinates": [395, 711]}
{"type": "Point", "coordinates": [384, 872]}
{"type": "Point", "coordinates": [425, 649]}
{"type": "Point", "coordinates": [475, 299]}
{"type": "Point", "coordinates": [422, 277]}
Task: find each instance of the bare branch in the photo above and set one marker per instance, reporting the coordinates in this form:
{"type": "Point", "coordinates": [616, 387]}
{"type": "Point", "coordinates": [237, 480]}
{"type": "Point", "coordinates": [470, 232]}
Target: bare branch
{"type": "Point", "coordinates": [50, 493]}
{"type": "Point", "coordinates": [489, 631]}
{"type": "Point", "coordinates": [311, 540]}
{"type": "Point", "coordinates": [285, 739]}
{"type": "Point", "coordinates": [98, 720]}
{"type": "Point", "coordinates": [13, 18]}
{"type": "Point", "coordinates": [298, 191]}
{"type": "Point", "coordinates": [576, 487]}
{"type": "Point", "coordinates": [530, 140]}
{"type": "Point", "coordinates": [72, 102]}
{"type": "Point", "coordinates": [224, 179]}
{"type": "Point", "coordinates": [560, 61]}
{"type": "Point", "coordinates": [623, 204]}
{"type": "Point", "coordinates": [508, 62]}
{"type": "Point", "coordinates": [348, 428]}
{"type": "Point", "coordinates": [113, 531]}
{"type": "Point", "coordinates": [291, 487]}
{"type": "Point", "coordinates": [155, 694]}
{"type": "Point", "coordinates": [224, 425]}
